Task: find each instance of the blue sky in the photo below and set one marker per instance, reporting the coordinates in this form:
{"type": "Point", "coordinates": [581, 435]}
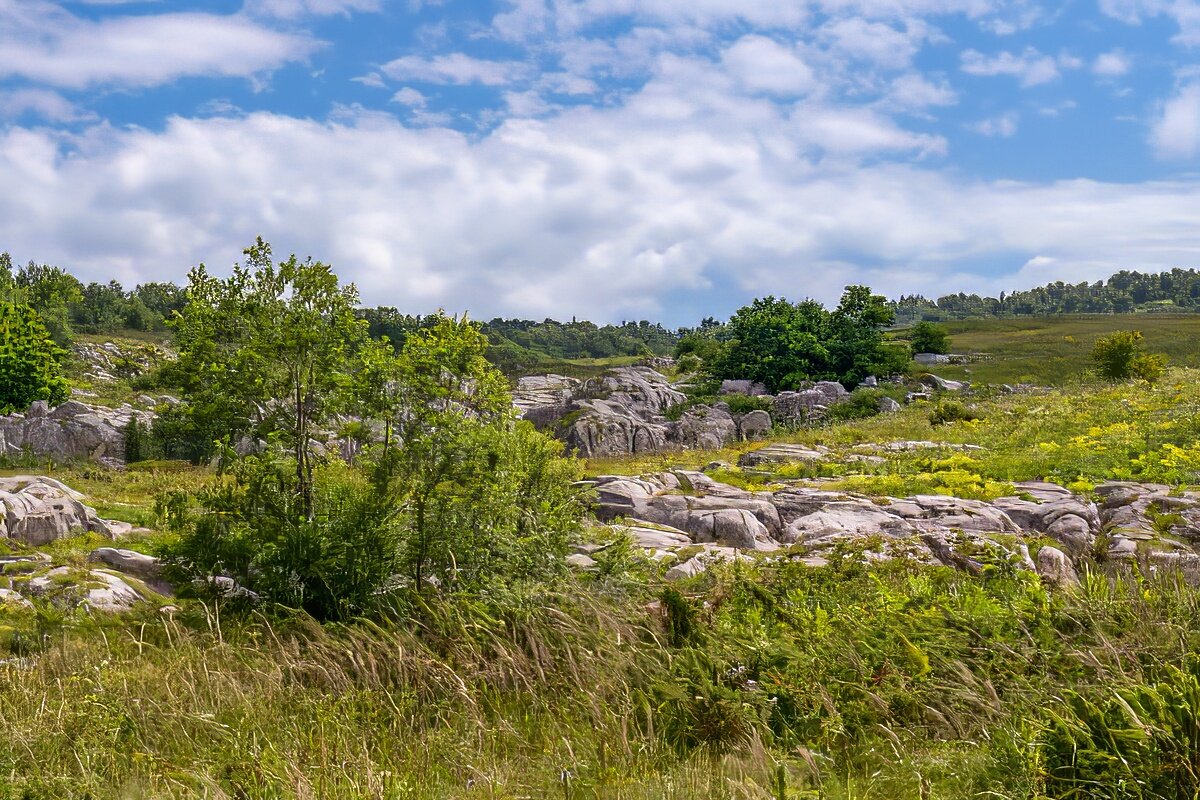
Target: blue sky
{"type": "Point", "coordinates": [606, 159]}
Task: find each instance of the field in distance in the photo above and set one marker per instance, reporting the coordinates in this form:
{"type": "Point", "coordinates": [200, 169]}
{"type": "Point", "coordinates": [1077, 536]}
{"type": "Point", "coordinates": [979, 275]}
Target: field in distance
{"type": "Point", "coordinates": [1050, 351]}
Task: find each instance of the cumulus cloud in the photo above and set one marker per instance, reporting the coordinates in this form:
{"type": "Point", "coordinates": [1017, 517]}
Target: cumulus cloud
{"type": "Point", "coordinates": [1185, 13]}
{"type": "Point", "coordinates": [42, 42]}
{"type": "Point", "coordinates": [42, 103]}
{"type": "Point", "coordinates": [1175, 134]}
{"type": "Point", "coordinates": [1004, 125]}
{"type": "Point", "coordinates": [762, 64]}
{"type": "Point", "coordinates": [455, 68]}
{"type": "Point", "coordinates": [607, 213]}
{"type": "Point", "coordinates": [1030, 67]}
{"type": "Point", "coordinates": [292, 9]}
{"type": "Point", "coordinates": [1112, 64]}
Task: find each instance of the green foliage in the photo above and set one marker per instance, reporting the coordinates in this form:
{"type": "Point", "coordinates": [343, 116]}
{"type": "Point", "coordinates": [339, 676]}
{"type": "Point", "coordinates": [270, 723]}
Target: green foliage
{"type": "Point", "coordinates": [928, 337]}
{"type": "Point", "coordinates": [744, 403]}
{"type": "Point", "coordinates": [266, 352]}
{"type": "Point", "coordinates": [29, 360]}
{"type": "Point", "coordinates": [862, 402]}
{"type": "Point", "coordinates": [949, 411]}
{"type": "Point", "coordinates": [782, 344]}
{"type": "Point", "coordinates": [1119, 357]}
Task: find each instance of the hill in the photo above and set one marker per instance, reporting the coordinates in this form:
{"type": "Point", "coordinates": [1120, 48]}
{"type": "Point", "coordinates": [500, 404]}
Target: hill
{"type": "Point", "coordinates": [1051, 351]}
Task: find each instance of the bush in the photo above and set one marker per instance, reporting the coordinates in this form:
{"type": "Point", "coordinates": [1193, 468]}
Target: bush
{"type": "Point", "coordinates": [929, 337]}
{"type": "Point", "coordinates": [29, 360]}
{"type": "Point", "coordinates": [862, 403]}
{"type": "Point", "coordinates": [1119, 357]}
{"type": "Point", "coordinates": [948, 411]}
{"type": "Point", "coordinates": [744, 404]}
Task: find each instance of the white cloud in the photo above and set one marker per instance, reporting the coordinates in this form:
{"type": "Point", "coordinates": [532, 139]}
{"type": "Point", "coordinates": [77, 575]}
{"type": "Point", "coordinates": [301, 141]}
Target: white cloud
{"type": "Point", "coordinates": [455, 68]}
{"type": "Point", "coordinates": [1004, 125]}
{"type": "Point", "coordinates": [1176, 132]}
{"type": "Point", "coordinates": [50, 106]}
{"type": "Point", "coordinates": [409, 96]}
{"type": "Point", "coordinates": [876, 42]}
{"type": "Point", "coordinates": [913, 91]}
{"type": "Point", "coordinates": [292, 9]}
{"type": "Point", "coordinates": [1185, 13]}
{"type": "Point", "coordinates": [762, 64]}
{"type": "Point", "coordinates": [606, 213]}
{"type": "Point", "coordinates": [41, 42]}
{"type": "Point", "coordinates": [1112, 64]}
{"type": "Point", "coordinates": [372, 79]}
{"type": "Point", "coordinates": [1030, 68]}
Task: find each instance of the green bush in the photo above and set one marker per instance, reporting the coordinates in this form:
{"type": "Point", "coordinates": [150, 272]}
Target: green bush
{"type": "Point", "coordinates": [1119, 357]}
{"type": "Point", "coordinates": [948, 411]}
{"type": "Point", "coordinates": [744, 404]}
{"type": "Point", "coordinates": [861, 403]}
{"type": "Point", "coordinates": [929, 337]}
{"type": "Point", "coordinates": [29, 360]}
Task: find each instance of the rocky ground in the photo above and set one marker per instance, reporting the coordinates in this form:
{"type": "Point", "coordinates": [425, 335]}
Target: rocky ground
{"type": "Point", "coordinates": [624, 412]}
{"type": "Point", "coordinates": [36, 511]}
{"type": "Point", "coordinates": [688, 517]}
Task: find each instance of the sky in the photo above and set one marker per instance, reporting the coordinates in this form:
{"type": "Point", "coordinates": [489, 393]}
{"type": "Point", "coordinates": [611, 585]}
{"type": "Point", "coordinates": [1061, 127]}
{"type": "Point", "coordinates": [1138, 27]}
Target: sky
{"type": "Point", "coordinates": [605, 159]}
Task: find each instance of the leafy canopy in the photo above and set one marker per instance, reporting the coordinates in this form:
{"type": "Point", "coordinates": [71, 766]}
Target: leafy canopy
{"type": "Point", "coordinates": [781, 344]}
{"type": "Point", "coordinates": [1119, 356]}
{"type": "Point", "coordinates": [29, 360]}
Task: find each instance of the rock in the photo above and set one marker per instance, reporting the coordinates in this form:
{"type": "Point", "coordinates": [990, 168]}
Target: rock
{"type": "Point", "coordinates": [913, 397]}
{"type": "Point", "coordinates": [754, 425]}
{"type": "Point", "coordinates": [930, 359]}
{"type": "Point", "coordinates": [581, 561]}
{"type": "Point", "coordinates": [654, 537]}
{"type": "Point", "coordinates": [750, 388]}
{"type": "Point", "coordinates": [779, 454]}
{"type": "Point", "coordinates": [544, 399]}
{"type": "Point", "coordinates": [704, 428]}
{"type": "Point", "coordinates": [38, 510]}
{"type": "Point", "coordinates": [116, 595]}
{"type": "Point", "coordinates": [700, 563]}
{"type": "Point", "coordinates": [96, 589]}
{"type": "Point", "coordinates": [12, 598]}
{"type": "Point", "coordinates": [731, 527]}
{"type": "Point", "coordinates": [888, 406]}
{"type": "Point", "coordinates": [71, 431]}
{"type": "Point", "coordinates": [941, 384]}
{"type": "Point", "coordinates": [795, 408]}
{"type": "Point", "coordinates": [1055, 568]}
{"type": "Point", "coordinates": [130, 562]}
{"type": "Point", "coordinates": [870, 382]}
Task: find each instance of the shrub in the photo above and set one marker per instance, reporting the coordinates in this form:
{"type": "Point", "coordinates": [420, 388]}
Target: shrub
{"type": "Point", "coordinates": [862, 403]}
{"type": "Point", "coordinates": [948, 411]}
{"type": "Point", "coordinates": [1119, 357]}
{"type": "Point", "coordinates": [29, 360]}
{"type": "Point", "coordinates": [929, 337]}
{"type": "Point", "coordinates": [744, 404]}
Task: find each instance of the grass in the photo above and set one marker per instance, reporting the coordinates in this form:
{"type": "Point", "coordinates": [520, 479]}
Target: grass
{"type": "Point", "coordinates": [766, 679]}
{"type": "Point", "coordinates": [1054, 351]}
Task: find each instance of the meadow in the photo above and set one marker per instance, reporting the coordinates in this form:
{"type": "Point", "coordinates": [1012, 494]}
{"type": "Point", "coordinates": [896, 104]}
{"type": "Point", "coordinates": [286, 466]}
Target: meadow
{"type": "Point", "coordinates": [1056, 350]}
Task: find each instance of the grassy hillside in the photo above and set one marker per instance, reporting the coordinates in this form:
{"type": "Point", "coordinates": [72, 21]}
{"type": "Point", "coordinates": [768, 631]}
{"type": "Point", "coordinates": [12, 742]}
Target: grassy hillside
{"type": "Point", "coordinates": [1055, 350]}
{"type": "Point", "coordinates": [768, 680]}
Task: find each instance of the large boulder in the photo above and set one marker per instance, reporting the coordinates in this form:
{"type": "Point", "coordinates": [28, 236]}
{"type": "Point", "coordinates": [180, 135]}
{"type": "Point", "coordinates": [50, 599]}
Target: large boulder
{"type": "Point", "coordinates": [754, 425]}
{"type": "Point", "coordinates": [71, 431]}
{"type": "Point", "coordinates": [37, 510]}
{"type": "Point", "coordinates": [705, 428]}
{"type": "Point", "coordinates": [544, 399]}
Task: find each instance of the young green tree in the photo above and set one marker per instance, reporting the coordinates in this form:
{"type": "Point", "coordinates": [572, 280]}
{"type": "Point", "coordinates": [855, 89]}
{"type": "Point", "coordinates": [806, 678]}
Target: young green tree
{"type": "Point", "coordinates": [29, 360]}
{"type": "Point", "coordinates": [856, 345]}
{"type": "Point", "coordinates": [268, 352]}
{"type": "Point", "coordinates": [928, 337]}
{"type": "Point", "coordinates": [776, 343]}
{"type": "Point", "coordinates": [1119, 356]}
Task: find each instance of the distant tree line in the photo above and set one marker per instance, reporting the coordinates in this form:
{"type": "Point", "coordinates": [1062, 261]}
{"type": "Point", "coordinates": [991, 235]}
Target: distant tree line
{"type": "Point", "coordinates": [66, 305]}
{"type": "Point", "coordinates": [1124, 292]}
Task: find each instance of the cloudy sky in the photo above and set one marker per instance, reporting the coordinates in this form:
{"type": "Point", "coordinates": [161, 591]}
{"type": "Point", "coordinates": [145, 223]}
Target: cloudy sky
{"type": "Point", "coordinates": [607, 159]}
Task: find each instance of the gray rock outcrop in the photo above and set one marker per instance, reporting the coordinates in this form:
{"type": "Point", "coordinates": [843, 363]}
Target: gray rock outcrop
{"type": "Point", "coordinates": [38, 510]}
{"type": "Point", "coordinates": [71, 431]}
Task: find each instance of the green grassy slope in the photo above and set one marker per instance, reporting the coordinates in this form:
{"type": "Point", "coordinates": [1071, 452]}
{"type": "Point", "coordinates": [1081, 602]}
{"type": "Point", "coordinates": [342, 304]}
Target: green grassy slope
{"type": "Point", "coordinates": [1055, 350]}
